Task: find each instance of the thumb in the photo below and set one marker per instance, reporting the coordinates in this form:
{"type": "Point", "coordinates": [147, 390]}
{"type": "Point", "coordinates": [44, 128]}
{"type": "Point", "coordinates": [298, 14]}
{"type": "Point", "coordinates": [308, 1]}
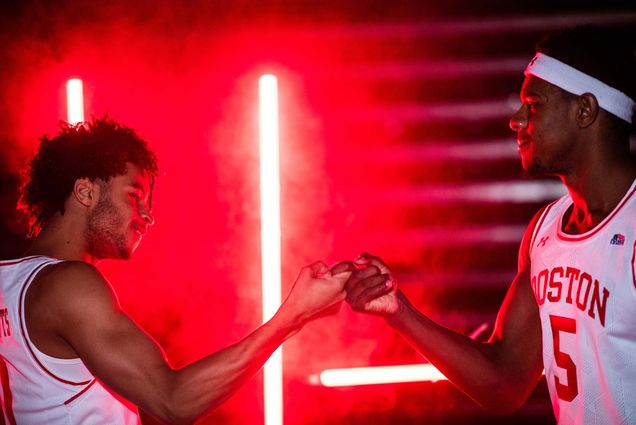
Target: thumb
{"type": "Point", "coordinates": [318, 269]}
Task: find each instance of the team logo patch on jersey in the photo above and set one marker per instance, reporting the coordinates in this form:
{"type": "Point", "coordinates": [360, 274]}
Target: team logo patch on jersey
{"type": "Point", "coordinates": [618, 239]}
{"type": "Point", "coordinates": [543, 241]}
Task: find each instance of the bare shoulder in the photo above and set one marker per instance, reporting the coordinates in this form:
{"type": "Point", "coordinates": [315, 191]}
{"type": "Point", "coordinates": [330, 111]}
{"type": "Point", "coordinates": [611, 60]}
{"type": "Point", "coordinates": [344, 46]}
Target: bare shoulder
{"type": "Point", "coordinates": [70, 283]}
{"type": "Point", "coordinates": [62, 304]}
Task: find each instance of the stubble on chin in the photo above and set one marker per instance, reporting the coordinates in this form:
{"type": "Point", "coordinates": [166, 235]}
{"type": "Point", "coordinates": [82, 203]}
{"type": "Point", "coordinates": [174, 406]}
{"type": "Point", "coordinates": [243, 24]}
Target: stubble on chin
{"type": "Point", "coordinates": [537, 169]}
{"type": "Point", "coordinates": [533, 171]}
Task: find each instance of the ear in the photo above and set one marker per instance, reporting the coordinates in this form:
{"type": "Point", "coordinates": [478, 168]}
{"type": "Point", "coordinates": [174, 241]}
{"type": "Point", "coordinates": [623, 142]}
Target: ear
{"type": "Point", "coordinates": [587, 110]}
{"type": "Point", "coordinates": [85, 192]}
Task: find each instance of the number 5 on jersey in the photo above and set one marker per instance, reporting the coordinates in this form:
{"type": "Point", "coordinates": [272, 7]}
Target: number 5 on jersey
{"type": "Point", "coordinates": [569, 391]}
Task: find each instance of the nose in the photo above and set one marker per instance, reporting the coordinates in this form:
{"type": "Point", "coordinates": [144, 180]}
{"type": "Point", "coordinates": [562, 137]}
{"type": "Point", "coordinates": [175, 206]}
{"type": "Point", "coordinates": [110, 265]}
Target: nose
{"type": "Point", "coordinates": [518, 120]}
{"type": "Point", "coordinates": [146, 215]}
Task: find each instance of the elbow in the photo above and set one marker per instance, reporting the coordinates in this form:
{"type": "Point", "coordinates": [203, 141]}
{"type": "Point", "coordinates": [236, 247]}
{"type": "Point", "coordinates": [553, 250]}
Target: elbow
{"type": "Point", "coordinates": [170, 409]}
{"type": "Point", "coordinates": [175, 416]}
{"type": "Point", "coordinates": [502, 401]}
{"type": "Point", "coordinates": [175, 412]}
{"type": "Point", "coordinates": [502, 408]}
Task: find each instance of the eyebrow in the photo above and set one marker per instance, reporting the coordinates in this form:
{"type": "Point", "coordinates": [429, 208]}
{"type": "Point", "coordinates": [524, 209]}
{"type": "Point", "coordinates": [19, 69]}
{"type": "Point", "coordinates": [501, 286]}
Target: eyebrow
{"type": "Point", "coordinates": [139, 186]}
{"type": "Point", "coordinates": [531, 94]}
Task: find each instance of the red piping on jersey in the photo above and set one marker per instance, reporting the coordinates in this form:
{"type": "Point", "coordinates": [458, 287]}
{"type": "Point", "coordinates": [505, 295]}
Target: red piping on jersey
{"type": "Point", "coordinates": [7, 397]}
{"type": "Point", "coordinates": [70, 400]}
{"type": "Point", "coordinates": [573, 238]}
{"type": "Point", "coordinates": [539, 224]}
{"type": "Point", "coordinates": [10, 262]}
{"type": "Point", "coordinates": [633, 268]}
{"type": "Point", "coordinates": [26, 339]}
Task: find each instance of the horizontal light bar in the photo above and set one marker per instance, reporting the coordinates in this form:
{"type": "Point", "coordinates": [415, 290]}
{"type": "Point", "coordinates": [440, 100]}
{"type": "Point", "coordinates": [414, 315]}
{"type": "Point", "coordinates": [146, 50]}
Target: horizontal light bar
{"type": "Point", "coordinates": [473, 111]}
{"type": "Point", "coordinates": [444, 150]}
{"type": "Point", "coordinates": [378, 375]}
{"type": "Point", "coordinates": [437, 69]}
{"type": "Point", "coordinates": [467, 27]}
{"type": "Point", "coordinates": [439, 236]}
{"type": "Point", "coordinates": [490, 192]}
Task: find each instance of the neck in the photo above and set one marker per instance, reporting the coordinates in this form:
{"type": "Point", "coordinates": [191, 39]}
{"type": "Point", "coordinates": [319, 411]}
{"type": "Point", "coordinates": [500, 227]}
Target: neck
{"type": "Point", "coordinates": [597, 187]}
{"type": "Point", "coordinates": [59, 240]}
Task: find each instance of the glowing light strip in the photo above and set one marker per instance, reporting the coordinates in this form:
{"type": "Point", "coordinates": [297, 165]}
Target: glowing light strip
{"type": "Point", "coordinates": [444, 150]}
{"type": "Point", "coordinates": [487, 192]}
{"type": "Point", "coordinates": [480, 110]}
{"type": "Point", "coordinates": [468, 27]}
{"type": "Point", "coordinates": [270, 238]}
{"type": "Point", "coordinates": [74, 101]}
{"type": "Point", "coordinates": [380, 375]}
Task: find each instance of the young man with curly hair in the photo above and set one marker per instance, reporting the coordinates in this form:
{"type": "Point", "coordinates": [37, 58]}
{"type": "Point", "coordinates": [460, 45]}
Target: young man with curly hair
{"type": "Point", "coordinates": [66, 345]}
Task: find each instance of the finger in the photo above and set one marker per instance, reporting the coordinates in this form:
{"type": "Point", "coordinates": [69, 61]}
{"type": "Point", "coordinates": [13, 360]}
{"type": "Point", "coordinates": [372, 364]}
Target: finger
{"type": "Point", "coordinates": [341, 278]}
{"type": "Point", "coordinates": [352, 282]}
{"type": "Point", "coordinates": [362, 259]}
{"type": "Point", "coordinates": [367, 272]}
{"type": "Point", "coordinates": [367, 259]}
{"type": "Point", "coordinates": [343, 266]}
{"type": "Point", "coordinates": [371, 294]}
{"type": "Point", "coordinates": [359, 275]}
{"type": "Point", "coordinates": [318, 269]}
{"type": "Point", "coordinates": [354, 292]}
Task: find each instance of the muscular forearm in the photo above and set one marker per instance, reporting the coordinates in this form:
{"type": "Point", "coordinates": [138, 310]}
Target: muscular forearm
{"type": "Point", "coordinates": [203, 385]}
{"type": "Point", "coordinates": [481, 370]}
{"type": "Point", "coordinates": [131, 364]}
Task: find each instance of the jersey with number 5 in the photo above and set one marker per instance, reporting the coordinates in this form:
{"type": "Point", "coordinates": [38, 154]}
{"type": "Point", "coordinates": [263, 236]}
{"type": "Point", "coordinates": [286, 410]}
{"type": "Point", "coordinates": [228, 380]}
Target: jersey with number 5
{"type": "Point", "coordinates": [585, 287]}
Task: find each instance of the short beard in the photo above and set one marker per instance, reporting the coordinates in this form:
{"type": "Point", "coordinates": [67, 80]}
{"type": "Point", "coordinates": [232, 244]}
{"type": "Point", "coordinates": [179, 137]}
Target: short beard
{"type": "Point", "coordinates": [534, 170]}
{"type": "Point", "coordinates": [103, 225]}
{"type": "Point", "coordinates": [537, 169]}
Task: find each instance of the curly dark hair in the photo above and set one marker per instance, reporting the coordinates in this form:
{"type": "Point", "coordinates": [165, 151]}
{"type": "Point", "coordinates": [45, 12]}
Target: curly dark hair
{"type": "Point", "coordinates": [95, 150]}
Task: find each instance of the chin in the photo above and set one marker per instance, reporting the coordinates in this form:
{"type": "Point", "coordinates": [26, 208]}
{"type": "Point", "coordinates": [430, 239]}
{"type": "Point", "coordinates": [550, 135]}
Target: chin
{"type": "Point", "coordinates": [533, 171]}
{"type": "Point", "coordinates": [532, 167]}
{"type": "Point", "coordinates": [122, 252]}
{"type": "Point", "coordinates": [125, 255]}
{"type": "Point", "coordinates": [126, 252]}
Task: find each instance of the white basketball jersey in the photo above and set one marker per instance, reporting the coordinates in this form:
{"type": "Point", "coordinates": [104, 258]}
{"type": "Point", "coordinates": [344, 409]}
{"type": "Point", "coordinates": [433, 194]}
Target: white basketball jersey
{"type": "Point", "coordinates": [585, 287]}
{"type": "Point", "coordinates": [37, 388]}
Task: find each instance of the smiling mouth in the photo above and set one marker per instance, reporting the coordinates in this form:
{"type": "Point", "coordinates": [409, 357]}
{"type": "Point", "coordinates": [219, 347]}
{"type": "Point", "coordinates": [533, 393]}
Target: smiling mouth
{"type": "Point", "coordinates": [522, 144]}
{"type": "Point", "coordinates": [139, 231]}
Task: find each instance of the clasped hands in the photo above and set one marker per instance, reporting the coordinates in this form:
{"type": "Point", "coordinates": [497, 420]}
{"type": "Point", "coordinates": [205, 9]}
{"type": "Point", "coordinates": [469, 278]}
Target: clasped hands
{"type": "Point", "coordinates": [365, 283]}
{"type": "Point", "coordinates": [371, 287]}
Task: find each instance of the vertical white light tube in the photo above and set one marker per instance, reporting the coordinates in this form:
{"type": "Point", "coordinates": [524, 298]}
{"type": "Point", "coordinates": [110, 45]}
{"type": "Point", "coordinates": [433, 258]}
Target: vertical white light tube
{"type": "Point", "coordinates": [74, 101]}
{"type": "Point", "coordinates": [270, 238]}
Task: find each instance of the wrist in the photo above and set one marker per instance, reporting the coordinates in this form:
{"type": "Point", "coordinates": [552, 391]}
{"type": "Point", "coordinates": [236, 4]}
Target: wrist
{"type": "Point", "coordinates": [286, 321]}
{"type": "Point", "coordinates": [394, 319]}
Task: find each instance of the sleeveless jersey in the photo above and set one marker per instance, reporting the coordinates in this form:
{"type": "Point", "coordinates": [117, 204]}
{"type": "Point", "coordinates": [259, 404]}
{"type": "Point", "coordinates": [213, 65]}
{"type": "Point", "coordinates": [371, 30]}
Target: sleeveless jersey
{"type": "Point", "coordinates": [37, 388]}
{"type": "Point", "coordinates": [585, 287]}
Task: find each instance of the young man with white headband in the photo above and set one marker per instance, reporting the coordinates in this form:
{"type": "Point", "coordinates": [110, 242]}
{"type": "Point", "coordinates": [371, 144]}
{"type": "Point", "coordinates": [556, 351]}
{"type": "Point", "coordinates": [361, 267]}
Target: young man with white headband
{"type": "Point", "coordinates": [571, 308]}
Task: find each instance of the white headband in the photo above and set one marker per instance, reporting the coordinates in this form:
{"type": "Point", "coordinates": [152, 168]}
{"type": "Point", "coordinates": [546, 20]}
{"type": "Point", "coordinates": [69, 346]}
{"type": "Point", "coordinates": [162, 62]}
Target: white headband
{"type": "Point", "coordinates": [576, 82]}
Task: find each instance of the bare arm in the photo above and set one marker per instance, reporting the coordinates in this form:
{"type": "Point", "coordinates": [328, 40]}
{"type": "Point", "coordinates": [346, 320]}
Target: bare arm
{"type": "Point", "coordinates": [127, 360]}
{"type": "Point", "coordinates": [500, 374]}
